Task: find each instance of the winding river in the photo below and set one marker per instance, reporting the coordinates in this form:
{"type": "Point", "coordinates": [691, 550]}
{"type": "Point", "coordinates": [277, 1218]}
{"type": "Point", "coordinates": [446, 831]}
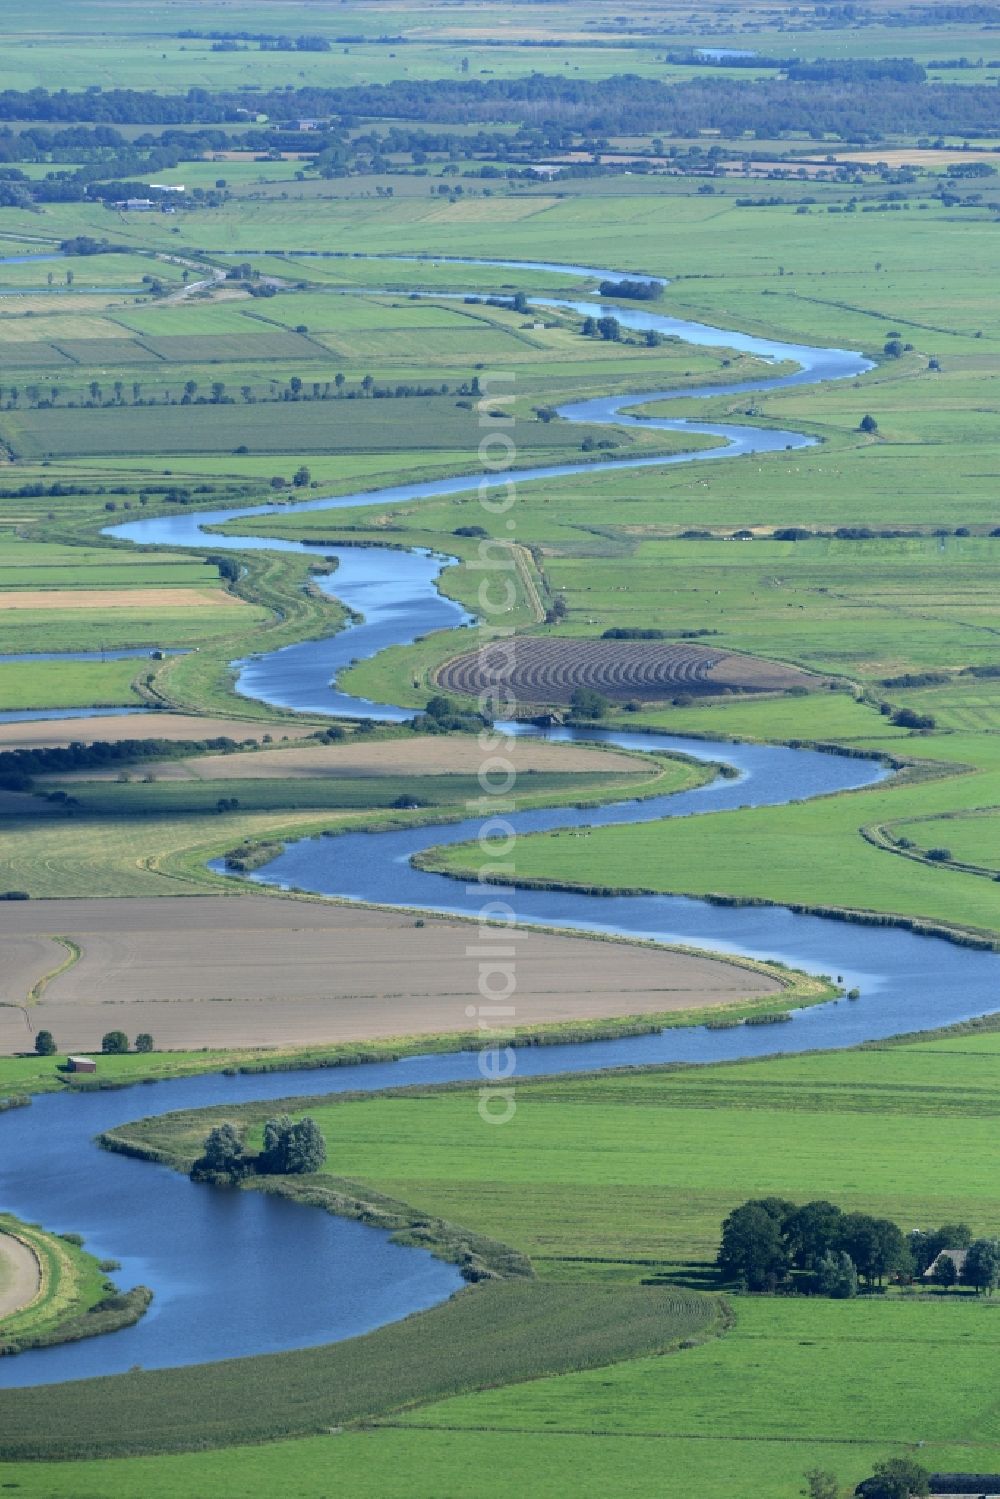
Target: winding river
{"type": "Point", "coordinates": [219, 1261]}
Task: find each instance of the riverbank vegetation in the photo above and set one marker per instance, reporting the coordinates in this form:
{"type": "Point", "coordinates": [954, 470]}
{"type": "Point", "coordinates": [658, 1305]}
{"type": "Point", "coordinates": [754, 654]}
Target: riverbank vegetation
{"type": "Point", "coordinates": [72, 1297]}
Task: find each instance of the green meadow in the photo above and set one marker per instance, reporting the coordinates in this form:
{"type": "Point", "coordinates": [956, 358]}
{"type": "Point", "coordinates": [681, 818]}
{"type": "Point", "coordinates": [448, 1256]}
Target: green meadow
{"type": "Point", "coordinates": [121, 838]}
{"type": "Point", "coordinates": [621, 1364]}
{"type": "Point", "coordinates": [612, 1183]}
{"type": "Point", "coordinates": [77, 684]}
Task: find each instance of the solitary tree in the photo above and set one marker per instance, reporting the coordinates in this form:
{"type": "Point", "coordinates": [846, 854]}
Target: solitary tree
{"type": "Point", "coordinates": [876, 1245]}
{"type": "Point", "coordinates": [114, 1043]}
{"type": "Point", "coordinates": [820, 1485]}
{"type": "Point", "coordinates": [45, 1044]}
{"type": "Point", "coordinates": [440, 707]}
{"type": "Point", "coordinates": [945, 1272]}
{"type": "Point", "coordinates": [144, 1042]}
{"type": "Point", "coordinates": [810, 1231]}
{"type": "Point", "coordinates": [292, 1149]}
{"type": "Point", "coordinates": [222, 1158]}
{"type": "Point", "coordinates": [868, 423]}
{"type": "Point", "coordinates": [836, 1275]}
{"type": "Point", "coordinates": [752, 1250]}
{"type": "Point", "coordinates": [586, 703]}
{"type": "Point", "coordinates": [982, 1266]}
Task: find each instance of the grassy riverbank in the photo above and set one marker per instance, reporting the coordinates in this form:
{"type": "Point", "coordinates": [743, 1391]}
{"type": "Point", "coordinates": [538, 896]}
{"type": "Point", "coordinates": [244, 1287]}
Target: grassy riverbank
{"type": "Point", "coordinates": [73, 1297]}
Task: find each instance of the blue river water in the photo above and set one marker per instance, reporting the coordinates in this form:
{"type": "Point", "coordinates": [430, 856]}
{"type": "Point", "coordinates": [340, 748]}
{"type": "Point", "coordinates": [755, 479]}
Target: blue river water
{"type": "Point", "coordinates": [219, 1261]}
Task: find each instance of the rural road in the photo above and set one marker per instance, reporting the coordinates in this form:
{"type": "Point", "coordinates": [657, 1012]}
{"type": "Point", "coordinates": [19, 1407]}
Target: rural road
{"type": "Point", "coordinates": [20, 1275]}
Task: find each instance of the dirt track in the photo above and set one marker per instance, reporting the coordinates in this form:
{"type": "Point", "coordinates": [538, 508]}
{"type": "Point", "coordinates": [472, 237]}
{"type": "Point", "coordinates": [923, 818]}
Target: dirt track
{"type": "Point", "coordinates": [20, 1275]}
{"type": "Point", "coordinates": [221, 971]}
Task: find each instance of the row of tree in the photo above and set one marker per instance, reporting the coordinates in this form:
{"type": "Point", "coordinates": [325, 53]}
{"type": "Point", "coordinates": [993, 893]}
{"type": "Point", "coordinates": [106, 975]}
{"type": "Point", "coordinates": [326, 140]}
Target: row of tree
{"type": "Point", "coordinates": [770, 1244]}
{"type": "Point", "coordinates": [113, 1043]}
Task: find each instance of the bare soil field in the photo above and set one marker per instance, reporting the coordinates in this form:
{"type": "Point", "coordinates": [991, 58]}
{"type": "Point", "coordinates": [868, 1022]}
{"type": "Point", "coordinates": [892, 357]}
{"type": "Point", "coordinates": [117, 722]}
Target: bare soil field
{"type": "Point", "coordinates": [26, 957]}
{"type": "Point", "coordinates": [431, 755]}
{"type": "Point", "coordinates": [219, 971]}
{"type": "Point", "coordinates": [118, 598]}
{"type": "Point", "coordinates": [20, 1275]}
{"type": "Point", "coordinates": [550, 670]}
{"type": "Point", "coordinates": [52, 733]}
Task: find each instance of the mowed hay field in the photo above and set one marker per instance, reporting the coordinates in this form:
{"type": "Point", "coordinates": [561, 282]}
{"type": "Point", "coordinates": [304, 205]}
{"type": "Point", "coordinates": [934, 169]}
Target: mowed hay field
{"type": "Point", "coordinates": [134, 599]}
{"type": "Point", "coordinates": [438, 756]}
{"type": "Point", "coordinates": [222, 972]}
{"type": "Point", "coordinates": [55, 733]}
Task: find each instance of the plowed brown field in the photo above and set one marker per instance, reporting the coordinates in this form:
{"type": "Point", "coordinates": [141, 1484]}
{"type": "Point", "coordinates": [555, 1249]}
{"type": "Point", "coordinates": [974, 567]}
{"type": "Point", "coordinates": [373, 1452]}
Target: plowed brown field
{"type": "Point", "coordinates": [549, 670]}
{"type": "Point", "coordinates": [223, 971]}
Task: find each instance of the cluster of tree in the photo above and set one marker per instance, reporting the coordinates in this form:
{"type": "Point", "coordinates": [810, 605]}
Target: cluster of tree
{"type": "Point", "coordinates": [85, 244]}
{"type": "Point", "coordinates": [857, 70]}
{"type": "Point", "coordinates": [115, 1043]}
{"type": "Point", "coordinates": [866, 533]}
{"type": "Point", "coordinates": [608, 328]}
{"type": "Point", "coordinates": [289, 1149]}
{"type": "Point", "coordinates": [770, 1244]}
{"type": "Point", "coordinates": [267, 40]}
{"type": "Point", "coordinates": [896, 1478]}
{"type": "Point", "coordinates": [586, 704]}
{"type": "Point", "coordinates": [441, 715]}
{"type": "Point", "coordinates": [974, 13]}
{"type": "Point", "coordinates": [860, 108]}
{"type": "Point", "coordinates": [690, 57]}
{"type": "Point", "coordinates": [907, 718]}
{"type": "Point", "coordinates": [636, 291]}
{"type": "Point", "coordinates": [634, 632]}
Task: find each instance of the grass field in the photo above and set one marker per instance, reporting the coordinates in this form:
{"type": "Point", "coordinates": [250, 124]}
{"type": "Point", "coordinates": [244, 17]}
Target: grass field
{"type": "Point", "coordinates": [572, 1384]}
{"type": "Point", "coordinates": [180, 798]}
{"type": "Point", "coordinates": [812, 853]}
{"type": "Point", "coordinates": [609, 1181]}
{"type": "Point", "coordinates": [78, 684]}
{"type": "Point", "coordinates": [108, 850]}
{"type": "Point", "coordinates": [336, 426]}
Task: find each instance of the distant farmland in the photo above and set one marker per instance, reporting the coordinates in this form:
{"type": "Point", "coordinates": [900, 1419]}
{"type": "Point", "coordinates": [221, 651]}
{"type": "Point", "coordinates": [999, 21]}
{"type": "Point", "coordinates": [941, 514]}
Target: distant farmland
{"type": "Point", "coordinates": [431, 422]}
